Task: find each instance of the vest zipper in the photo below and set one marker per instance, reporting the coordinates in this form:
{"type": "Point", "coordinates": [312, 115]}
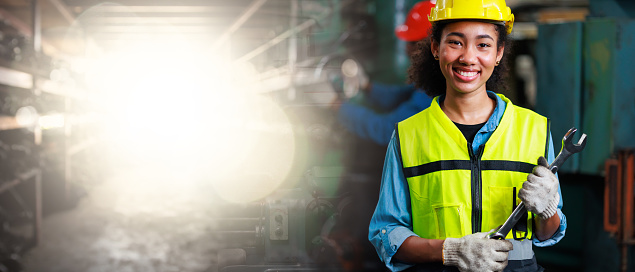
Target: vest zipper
{"type": "Point", "coordinates": [477, 184]}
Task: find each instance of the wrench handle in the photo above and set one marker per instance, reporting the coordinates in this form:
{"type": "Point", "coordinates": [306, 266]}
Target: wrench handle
{"type": "Point", "coordinates": [562, 157]}
{"type": "Point", "coordinates": [502, 231]}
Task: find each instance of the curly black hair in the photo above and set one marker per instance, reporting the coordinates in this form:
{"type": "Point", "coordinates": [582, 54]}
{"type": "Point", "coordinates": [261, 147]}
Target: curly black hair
{"type": "Point", "coordinates": [424, 71]}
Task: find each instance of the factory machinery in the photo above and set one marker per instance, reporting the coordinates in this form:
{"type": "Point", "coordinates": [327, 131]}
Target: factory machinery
{"type": "Point", "coordinates": [295, 232]}
{"type": "Point", "coordinates": [36, 142]}
{"type": "Point", "coordinates": [317, 220]}
{"type": "Point", "coordinates": [318, 223]}
{"type": "Point", "coordinates": [20, 162]}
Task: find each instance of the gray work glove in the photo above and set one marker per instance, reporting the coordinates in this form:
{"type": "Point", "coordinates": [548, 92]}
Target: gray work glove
{"type": "Point", "coordinates": [475, 252]}
{"type": "Point", "coordinates": [540, 191]}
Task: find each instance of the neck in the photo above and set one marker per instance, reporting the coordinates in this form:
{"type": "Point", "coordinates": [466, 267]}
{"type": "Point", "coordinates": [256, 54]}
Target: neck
{"type": "Point", "coordinates": [468, 109]}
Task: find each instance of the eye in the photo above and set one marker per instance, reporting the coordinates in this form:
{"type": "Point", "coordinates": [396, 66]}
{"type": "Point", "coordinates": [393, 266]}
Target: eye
{"type": "Point", "coordinates": [454, 42]}
{"type": "Point", "coordinates": [484, 45]}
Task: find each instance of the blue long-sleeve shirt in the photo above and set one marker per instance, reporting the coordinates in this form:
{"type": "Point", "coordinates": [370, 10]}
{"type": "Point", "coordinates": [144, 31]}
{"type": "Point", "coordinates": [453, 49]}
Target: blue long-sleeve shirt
{"type": "Point", "coordinates": [396, 102]}
{"type": "Point", "coordinates": [391, 223]}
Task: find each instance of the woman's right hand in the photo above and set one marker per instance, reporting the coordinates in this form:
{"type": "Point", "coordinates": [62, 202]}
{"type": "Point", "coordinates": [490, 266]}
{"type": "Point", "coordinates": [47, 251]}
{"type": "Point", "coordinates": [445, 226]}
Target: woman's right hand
{"type": "Point", "coordinates": [475, 252]}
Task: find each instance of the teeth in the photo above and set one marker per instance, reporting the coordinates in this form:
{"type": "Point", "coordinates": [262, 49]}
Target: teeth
{"type": "Point", "coordinates": [467, 74]}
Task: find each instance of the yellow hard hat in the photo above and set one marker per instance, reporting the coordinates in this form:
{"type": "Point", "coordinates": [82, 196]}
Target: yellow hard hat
{"type": "Point", "coordinates": [495, 10]}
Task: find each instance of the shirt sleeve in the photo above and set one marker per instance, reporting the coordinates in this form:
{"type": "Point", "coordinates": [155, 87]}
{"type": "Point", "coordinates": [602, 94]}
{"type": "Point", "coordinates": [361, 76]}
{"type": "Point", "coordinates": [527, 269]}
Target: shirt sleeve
{"type": "Point", "coordinates": [563, 220]}
{"type": "Point", "coordinates": [391, 223]}
{"type": "Point", "coordinates": [388, 97]}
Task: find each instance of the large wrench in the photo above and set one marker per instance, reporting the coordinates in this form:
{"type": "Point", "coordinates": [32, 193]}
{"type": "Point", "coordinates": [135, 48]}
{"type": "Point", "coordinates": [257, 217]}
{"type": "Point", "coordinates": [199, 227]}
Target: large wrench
{"type": "Point", "coordinates": [568, 148]}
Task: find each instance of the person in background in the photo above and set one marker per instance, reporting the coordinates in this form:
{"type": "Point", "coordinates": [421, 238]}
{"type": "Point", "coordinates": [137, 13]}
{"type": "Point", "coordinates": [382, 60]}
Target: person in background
{"type": "Point", "coordinates": [455, 171]}
{"type": "Point", "coordinates": [396, 102]}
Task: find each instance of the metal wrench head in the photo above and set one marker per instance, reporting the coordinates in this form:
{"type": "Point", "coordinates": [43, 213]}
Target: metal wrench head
{"type": "Point", "coordinates": [567, 142]}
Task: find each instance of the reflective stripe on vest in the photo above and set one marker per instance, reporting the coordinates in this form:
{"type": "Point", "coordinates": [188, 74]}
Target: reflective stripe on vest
{"type": "Point", "coordinates": [454, 191]}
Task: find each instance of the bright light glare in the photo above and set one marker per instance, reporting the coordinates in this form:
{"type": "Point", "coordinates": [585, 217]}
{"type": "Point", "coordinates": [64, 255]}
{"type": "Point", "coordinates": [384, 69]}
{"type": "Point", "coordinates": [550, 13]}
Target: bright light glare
{"type": "Point", "coordinates": [350, 68]}
{"type": "Point", "coordinates": [26, 116]}
{"type": "Point", "coordinates": [175, 108]}
{"type": "Point", "coordinates": [51, 121]}
{"type": "Point", "coordinates": [264, 147]}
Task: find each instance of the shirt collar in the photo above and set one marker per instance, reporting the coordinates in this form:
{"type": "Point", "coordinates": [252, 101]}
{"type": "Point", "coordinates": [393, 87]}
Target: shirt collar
{"type": "Point", "coordinates": [497, 115]}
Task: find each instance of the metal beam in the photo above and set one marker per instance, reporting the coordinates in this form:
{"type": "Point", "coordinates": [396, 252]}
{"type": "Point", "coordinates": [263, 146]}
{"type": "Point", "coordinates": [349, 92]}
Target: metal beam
{"type": "Point", "coordinates": [215, 21]}
{"type": "Point", "coordinates": [90, 3]}
{"type": "Point", "coordinates": [293, 51]}
{"type": "Point", "coordinates": [25, 29]}
{"type": "Point", "coordinates": [304, 25]}
{"type": "Point", "coordinates": [253, 7]}
{"type": "Point", "coordinates": [22, 27]}
{"type": "Point", "coordinates": [157, 28]}
{"type": "Point", "coordinates": [255, 36]}
{"type": "Point", "coordinates": [97, 13]}
{"type": "Point", "coordinates": [63, 10]}
{"type": "Point", "coordinates": [36, 27]}
{"type": "Point", "coordinates": [293, 30]}
{"type": "Point", "coordinates": [127, 20]}
{"type": "Point", "coordinates": [161, 9]}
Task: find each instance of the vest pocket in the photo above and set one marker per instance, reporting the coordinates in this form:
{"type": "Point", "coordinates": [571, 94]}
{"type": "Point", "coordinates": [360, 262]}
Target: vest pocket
{"type": "Point", "coordinates": [449, 221]}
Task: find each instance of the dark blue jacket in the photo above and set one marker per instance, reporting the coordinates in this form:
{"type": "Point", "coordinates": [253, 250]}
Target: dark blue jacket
{"type": "Point", "coordinates": [394, 103]}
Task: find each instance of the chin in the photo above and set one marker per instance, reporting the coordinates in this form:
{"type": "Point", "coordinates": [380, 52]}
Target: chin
{"type": "Point", "coordinates": [466, 90]}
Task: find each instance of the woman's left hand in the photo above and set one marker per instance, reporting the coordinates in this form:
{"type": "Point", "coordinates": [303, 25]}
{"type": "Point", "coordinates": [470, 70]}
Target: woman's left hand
{"type": "Point", "coordinates": [540, 191]}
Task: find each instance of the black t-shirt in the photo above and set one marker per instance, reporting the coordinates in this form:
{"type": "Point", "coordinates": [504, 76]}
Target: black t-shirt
{"type": "Point", "coordinates": [469, 131]}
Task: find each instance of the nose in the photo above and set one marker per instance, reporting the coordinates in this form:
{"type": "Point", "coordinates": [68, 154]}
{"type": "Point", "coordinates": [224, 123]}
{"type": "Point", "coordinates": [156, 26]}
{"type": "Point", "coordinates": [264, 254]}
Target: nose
{"type": "Point", "coordinates": [468, 57]}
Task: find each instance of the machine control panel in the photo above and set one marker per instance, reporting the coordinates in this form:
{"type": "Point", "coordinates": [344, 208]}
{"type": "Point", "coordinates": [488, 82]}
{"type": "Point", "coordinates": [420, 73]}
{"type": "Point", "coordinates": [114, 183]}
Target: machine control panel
{"type": "Point", "coordinates": [279, 222]}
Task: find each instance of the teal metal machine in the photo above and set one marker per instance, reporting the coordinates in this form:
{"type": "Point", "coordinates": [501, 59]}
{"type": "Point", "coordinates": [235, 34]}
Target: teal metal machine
{"type": "Point", "coordinates": [585, 80]}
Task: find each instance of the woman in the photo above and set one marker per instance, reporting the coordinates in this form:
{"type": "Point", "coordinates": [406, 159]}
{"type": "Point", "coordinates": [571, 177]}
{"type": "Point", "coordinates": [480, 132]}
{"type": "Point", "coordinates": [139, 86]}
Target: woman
{"type": "Point", "coordinates": [456, 170]}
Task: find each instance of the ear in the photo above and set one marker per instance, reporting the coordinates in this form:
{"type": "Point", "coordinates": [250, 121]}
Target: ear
{"type": "Point", "coordinates": [499, 54]}
{"type": "Point", "coordinates": [434, 47]}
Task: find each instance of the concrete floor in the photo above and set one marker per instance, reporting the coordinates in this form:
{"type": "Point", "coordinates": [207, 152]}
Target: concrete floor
{"type": "Point", "coordinates": [137, 220]}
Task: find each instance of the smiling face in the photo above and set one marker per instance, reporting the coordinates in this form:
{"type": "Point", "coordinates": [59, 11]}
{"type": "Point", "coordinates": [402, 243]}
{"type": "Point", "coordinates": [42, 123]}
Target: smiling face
{"type": "Point", "coordinates": [467, 55]}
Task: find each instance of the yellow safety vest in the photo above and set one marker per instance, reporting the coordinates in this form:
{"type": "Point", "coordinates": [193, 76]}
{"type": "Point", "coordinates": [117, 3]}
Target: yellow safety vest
{"type": "Point", "coordinates": [455, 192]}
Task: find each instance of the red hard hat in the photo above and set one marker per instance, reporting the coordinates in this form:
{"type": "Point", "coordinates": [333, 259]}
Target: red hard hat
{"type": "Point", "coordinates": [417, 25]}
